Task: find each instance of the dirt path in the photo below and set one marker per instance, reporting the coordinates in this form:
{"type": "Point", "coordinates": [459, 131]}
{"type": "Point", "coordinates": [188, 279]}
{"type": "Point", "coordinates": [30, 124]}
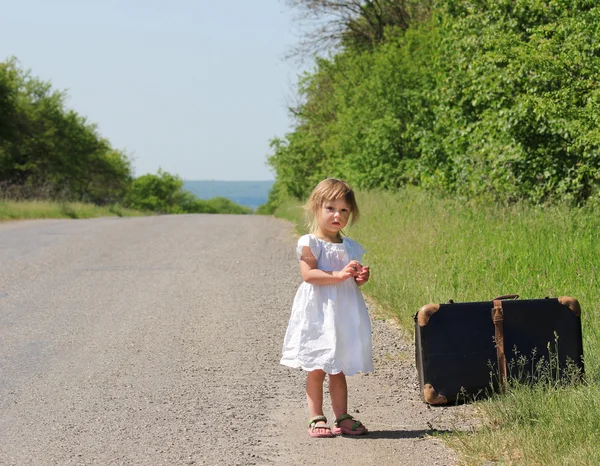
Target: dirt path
{"type": "Point", "coordinates": [156, 341]}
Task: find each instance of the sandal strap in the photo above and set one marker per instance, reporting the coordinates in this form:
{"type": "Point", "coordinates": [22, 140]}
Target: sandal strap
{"type": "Point", "coordinates": [346, 416]}
{"type": "Point", "coordinates": [356, 424]}
{"type": "Point", "coordinates": [343, 417]}
{"type": "Point", "coordinates": [313, 421]}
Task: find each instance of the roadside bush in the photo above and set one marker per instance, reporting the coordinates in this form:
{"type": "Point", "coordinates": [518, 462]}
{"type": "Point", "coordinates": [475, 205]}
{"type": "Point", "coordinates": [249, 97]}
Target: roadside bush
{"type": "Point", "coordinates": [50, 152]}
{"type": "Point", "coordinates": [515, 101]}
{"type": "Point", "coordinates": [489, 99]}
{"type": "Point", "coordinates": [164, 193]}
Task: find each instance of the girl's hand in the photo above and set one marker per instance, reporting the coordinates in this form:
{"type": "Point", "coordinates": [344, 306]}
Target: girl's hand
{"type": "Point", "coordinates": [351, 270]}
{"type": "Point", "coordinates": [363, 276]}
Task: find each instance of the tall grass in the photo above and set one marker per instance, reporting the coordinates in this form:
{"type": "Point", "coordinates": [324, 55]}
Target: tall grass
{"type": "Point", "coordinates": [21, 210]}
{"type": "Point", "coordinates": [425, 249]}
{"type": "Point", "coordinates": [31, 209]}
{"type": "Point", "coordinates": [538, 425]}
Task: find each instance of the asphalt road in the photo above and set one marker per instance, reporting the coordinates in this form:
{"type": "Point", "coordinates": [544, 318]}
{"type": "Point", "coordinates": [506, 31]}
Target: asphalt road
{"type": "Point", "coordinates": [156, 341]}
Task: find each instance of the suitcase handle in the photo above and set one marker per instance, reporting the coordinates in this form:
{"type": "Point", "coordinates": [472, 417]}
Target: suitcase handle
{"type": "Point", "coordinates": [507, 296]}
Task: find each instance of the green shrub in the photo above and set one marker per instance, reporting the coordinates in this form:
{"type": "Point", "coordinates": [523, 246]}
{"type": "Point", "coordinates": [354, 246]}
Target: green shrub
{"type": "Point", "coordinates": [489, 99]}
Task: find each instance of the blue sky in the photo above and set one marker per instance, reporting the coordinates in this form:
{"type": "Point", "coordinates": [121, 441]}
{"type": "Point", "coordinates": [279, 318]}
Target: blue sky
{"type": "Point", "coordinates": [197, 88]}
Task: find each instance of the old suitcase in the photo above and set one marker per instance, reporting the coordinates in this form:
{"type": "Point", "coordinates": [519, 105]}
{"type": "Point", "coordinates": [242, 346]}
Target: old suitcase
{"type": "Point", "coordinates": [467, 350]}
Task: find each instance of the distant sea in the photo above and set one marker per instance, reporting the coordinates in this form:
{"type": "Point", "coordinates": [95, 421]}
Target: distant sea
{"type": "Point", "coordinates": [248, 193]}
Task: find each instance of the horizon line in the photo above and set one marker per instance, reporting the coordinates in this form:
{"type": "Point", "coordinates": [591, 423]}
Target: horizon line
{"type": "Point", "coordinates": [227, 181]}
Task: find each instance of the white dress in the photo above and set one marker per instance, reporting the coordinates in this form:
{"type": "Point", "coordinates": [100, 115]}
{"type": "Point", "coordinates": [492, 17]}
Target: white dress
{"type": "Point", "coordinates": [329, 328]}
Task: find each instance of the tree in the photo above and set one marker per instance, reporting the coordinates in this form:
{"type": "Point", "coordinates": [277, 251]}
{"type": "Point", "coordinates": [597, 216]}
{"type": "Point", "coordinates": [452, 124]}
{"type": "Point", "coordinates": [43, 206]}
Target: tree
{"type": "Point", "coordinates": [160, 193]}
{"type": "Point", "coordinates": [164, 193]}
{"type": "Point", "coordinates": [7, 104]}
{"type": "Point", "coordinates": [48, 151]}
{"type": "Point", "coordinates": [356, 24]}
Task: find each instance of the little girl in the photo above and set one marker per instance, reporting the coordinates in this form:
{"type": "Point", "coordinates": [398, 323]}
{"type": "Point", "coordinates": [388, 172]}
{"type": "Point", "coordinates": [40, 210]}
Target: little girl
{"type": "Point", "coordinates": [329, 331]}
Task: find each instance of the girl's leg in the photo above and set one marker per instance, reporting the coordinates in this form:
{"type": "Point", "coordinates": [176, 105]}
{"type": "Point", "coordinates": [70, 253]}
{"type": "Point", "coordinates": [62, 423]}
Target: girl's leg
{"type": "Point", "coordinates": [314, 396]}
{"type": "Point", "coordinates": [338, 390]}
{"type": "Point", "coordinates": [339, 394]}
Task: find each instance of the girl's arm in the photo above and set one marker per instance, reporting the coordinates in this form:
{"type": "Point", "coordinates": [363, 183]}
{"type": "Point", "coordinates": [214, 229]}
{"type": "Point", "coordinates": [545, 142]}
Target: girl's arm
{"type": "Point", "coordinates": [311, 274]}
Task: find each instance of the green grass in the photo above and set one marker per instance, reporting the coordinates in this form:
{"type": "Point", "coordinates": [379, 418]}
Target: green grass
{"type": "Point", "coordinates": [423, 249]}
{"type": "Point", "coordinates": [539, 425]}
{"type": "Point", "coordinates": [21, 210]}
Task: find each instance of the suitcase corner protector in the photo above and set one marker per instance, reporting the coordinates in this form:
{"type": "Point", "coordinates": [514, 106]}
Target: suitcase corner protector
{"type": "Point", "coordinates": [571, 303]}
{"type": "Point", "coordinates": [425, 313]}
{"type": "Point", "coordinates": [432, 397]}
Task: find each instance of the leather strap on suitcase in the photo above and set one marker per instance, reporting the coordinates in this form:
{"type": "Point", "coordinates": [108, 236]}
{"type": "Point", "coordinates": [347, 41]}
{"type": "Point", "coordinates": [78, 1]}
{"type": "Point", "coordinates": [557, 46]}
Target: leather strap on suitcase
{"type": "Point", "coordinates": [498, 319]}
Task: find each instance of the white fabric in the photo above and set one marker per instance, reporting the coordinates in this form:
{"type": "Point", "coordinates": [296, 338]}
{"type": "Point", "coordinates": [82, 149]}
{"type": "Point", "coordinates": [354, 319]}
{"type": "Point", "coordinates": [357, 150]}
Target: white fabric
{"type": "Point", "coordinates": [329, 328]}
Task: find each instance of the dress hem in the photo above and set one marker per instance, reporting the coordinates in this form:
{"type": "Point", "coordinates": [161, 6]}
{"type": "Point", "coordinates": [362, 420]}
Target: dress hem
{"type": "Point", "coordinates": [297, 365]}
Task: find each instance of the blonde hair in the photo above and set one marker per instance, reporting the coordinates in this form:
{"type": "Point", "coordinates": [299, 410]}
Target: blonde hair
{"type": "Point", "coordinates": [330, 189]}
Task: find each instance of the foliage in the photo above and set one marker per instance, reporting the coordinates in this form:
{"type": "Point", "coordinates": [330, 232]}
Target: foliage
{"type": "Point", "coordinates": [220, 205]}
{"type": "Point", "coordinates": [49, 151]}
{"type": "Point", "coordinates": [486, 99]}
{"type": "Point", "coordinates": [360, 117]}
{"type": "Point", "coordinates": [357, 24]}
{"type": "Point", "coordinates": [515, 100]}
{"type": "Point", "coordinates": [164, 193]}
{"type": "Point", "coordinates": [158, 193]}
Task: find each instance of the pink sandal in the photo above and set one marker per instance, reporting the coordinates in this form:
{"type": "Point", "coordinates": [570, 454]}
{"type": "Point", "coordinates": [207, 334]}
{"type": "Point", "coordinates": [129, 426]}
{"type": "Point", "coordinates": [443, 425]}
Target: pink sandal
{"type": "Point", "coordinates": [356, 429]}
{"type": "Point", "coordinates": [312, 425]}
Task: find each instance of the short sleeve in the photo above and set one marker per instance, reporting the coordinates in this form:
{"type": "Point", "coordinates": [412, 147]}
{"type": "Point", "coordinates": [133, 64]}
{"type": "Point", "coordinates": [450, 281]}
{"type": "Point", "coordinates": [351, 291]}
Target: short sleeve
{"type": "Point", "coordinates": [355, 250]}
{"type": "Point", "coordinates": [310, 241]}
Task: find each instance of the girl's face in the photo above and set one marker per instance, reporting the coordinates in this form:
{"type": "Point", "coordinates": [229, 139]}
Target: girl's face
{"type": "Point", "coordinates": [334, 216]}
